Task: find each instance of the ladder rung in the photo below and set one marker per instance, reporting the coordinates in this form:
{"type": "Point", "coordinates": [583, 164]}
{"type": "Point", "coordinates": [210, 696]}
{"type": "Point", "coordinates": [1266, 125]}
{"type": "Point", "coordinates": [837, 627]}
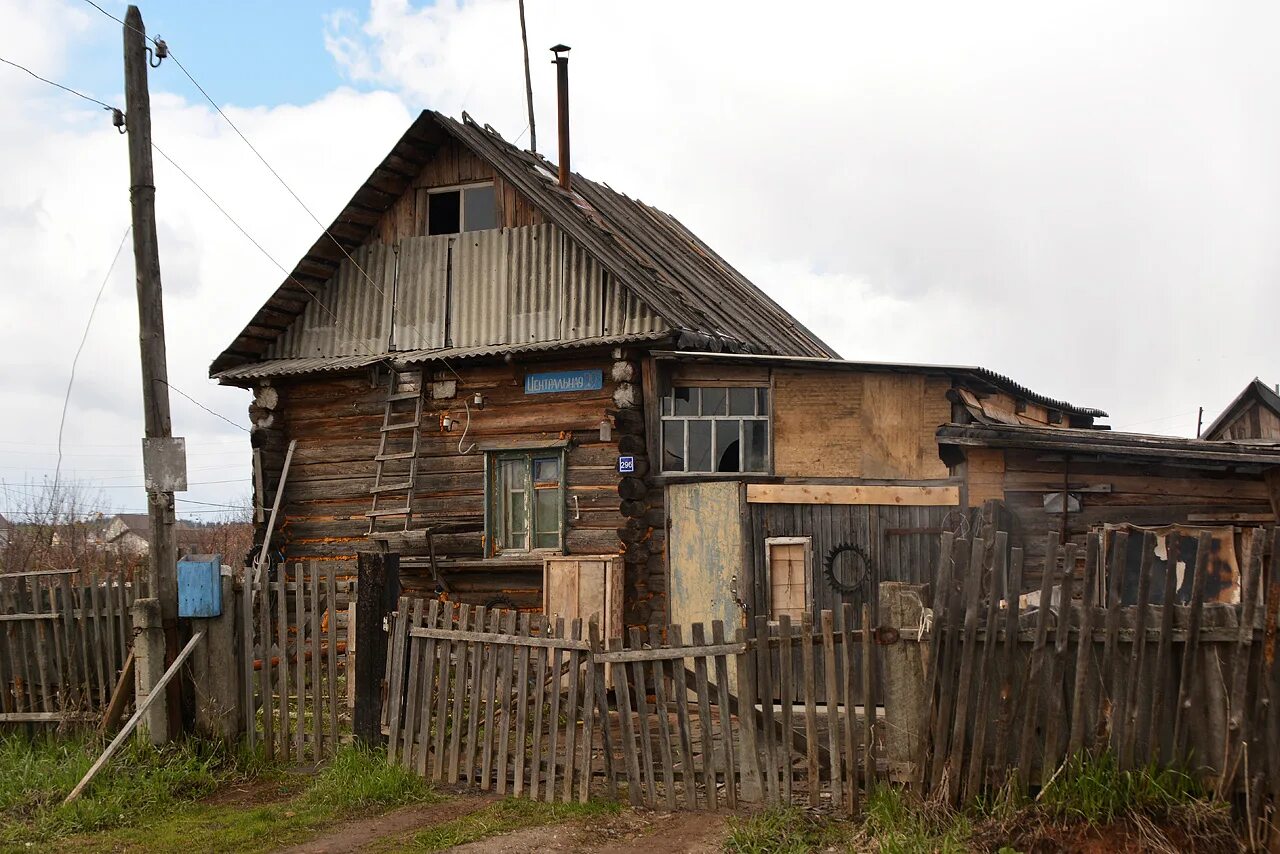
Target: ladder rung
{"type": "Point", "coordinates": [392, 487]}
{"type": "Point", "coordinates": [404, 455]}
{"type": "Point", "coordinates": [399, 511]}
{"type": "Point", "coordinates": [408, 425]}
{"type": "Point", "coordinates": [404, 395]}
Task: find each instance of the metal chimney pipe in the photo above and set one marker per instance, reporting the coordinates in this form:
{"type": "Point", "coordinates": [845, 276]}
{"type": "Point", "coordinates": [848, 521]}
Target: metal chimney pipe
{"type": "Point", "coordinates": [562, 110]}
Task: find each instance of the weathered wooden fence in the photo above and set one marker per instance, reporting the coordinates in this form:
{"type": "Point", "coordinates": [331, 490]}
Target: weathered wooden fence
{"type": "Point", "coordinates": [517, 704]}
{"type": "Point", "coordinates": [65, 636]}
{"type": "Point", "coordinates": [294, 662]}
{"type": "Point", "coordinates": [1016, 693]}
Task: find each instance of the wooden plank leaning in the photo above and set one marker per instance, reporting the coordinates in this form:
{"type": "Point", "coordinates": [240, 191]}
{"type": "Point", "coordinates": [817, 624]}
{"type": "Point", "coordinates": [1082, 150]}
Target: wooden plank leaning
{"type": "Point", "coordinates": [946, 628]}
{"type": "Point", "coordinates": [522, 712]}
{"type": "Point", "coordinates": [1110, 709]}
{"type": "Point", "coordinates": [245, 612]}
{"type": "Point", "coordinates": [489, 683]}
{"type": "Point", "coordinates": [459, 698]}
{"type": "Point", "coordinates": [640, 686]}
{"type": "Point", "coordinates": [1055, 723]}
{"type": "Point", "coordinates": [764, 684]}
{"type": "Point", "coordinates": [833, 718]}
{"type": "Point", "coordinates": [402, 742]}
{"type": "Point", "coordinates": [706, 727]}
{"type": "Point", "coordinates": [868, 700]}
{"type": "Point", "coordinates": [395, 685]}
{"type": "Point", "coordinates": [266, 688]}
{"type": "Point", "coordinates": [1189, 680]}
{"type": "Point", "coordinates": [988, 679]}
{"type": "Point", "coordinates": [602, 712]}
{"type": "Point", "coordinates": [317, 697]}
{"type": "Point", "coordinates": [478, 662]}
{"type": "Point", "coordinates": [299, 646]}
{"type": "Point", "coordinates": [156, 691]}
{"type": "Point", "coordinates": [1237, 713]}
{"type": "Point", "coordinates": [1084, 645]}
{"type": "Point", "coordinates": [571, 712]}
{"type": "Point", "coordinates": [1153, 744]}
{"type": "Point", "coordinates": [968, 657]}
{"type": "Point", "coordinates": [553, 734]}
{"type": "Point", "coordinates": [846, 674]}
{"type": "Point", "coordinates": [427, 681]}
{"type": "Point", "coordinates": [588, 732]}
{"type": "Point", "coordinates": [662, 716]}
{"type": "Point", "coordinates": [786, 696]}
{"type": "Point", "coordinates": [1033, 690]}
{"type": "Point", "coordinates": [723, 710]}
{"type": "Point", "coordinates": [684, 724]}
{"type": "Point", "coordinates": [506, 661]}
{"type": "Point", "coordinates": [810, 710]}
{"type": "Point", "coordinates": [282, 676]}
{"type": "Point", "coordinates": [1009, 679]}
{"type": "Point", "coordinates": [443, 684]}
{"type": "Point", "coordinates": [622, 690]}
{"type": "Point", "coordinates": [331, 651]}
{"type": "Point", "coordinates": [1136, 667]}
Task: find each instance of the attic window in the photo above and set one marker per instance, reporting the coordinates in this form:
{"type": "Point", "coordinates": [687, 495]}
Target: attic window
{"type": "Point", "coordinates": [456, 209]}
{"type": "Point", "coordinates": [716, 429]}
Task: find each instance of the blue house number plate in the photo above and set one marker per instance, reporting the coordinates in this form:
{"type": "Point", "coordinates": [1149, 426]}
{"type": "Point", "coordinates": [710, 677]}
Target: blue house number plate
{"type": "Point", "coordinates": [627, 465]}
{"type": "Point", "coordinates": [563, 381]}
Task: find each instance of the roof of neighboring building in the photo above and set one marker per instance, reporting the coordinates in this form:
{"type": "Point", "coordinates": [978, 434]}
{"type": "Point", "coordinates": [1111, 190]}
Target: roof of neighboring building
{"type": "Point", "coordinates": [1109, 443]}
{"type": "Point", "coordinates": [1254, 391]}
{"type": "Point", "coordinates": [137, 523]}
{"type": "Point", "coordinates": [980, 376]}
{"type": "Point", "coordinates": [648, 251]}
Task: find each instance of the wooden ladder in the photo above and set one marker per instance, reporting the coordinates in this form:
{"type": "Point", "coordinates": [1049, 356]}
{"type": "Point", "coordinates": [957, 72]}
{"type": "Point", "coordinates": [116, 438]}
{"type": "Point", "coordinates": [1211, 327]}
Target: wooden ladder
{"type": "Point", "coordinates": [397, 453]}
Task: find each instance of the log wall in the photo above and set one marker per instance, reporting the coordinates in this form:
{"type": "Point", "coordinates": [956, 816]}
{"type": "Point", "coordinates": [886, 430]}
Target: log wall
{"type": "Point", "coordinates": [336, 421]}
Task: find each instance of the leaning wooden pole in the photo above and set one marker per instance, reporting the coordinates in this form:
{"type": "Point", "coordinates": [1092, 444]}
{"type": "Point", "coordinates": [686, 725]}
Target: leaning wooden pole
{"type": "Point", "coordinates": [162, 556]}
{"type": "Point", "coordinates": [160, 685]}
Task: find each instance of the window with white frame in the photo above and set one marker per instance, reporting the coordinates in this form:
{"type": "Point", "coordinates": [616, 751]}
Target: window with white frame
{"type": "Point", "coordinates": [524, 501]}
{"type": "Point", "coordinates": [789, 563]}
{"type": "Point", "coordinates": [716, 429]}
{"type": "Point", "coordinates": [451, 210]}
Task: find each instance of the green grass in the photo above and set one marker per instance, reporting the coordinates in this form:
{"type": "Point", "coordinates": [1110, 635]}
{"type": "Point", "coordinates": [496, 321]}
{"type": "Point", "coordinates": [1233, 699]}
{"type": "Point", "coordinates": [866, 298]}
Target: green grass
{"type": "Point", "coordinates": [148, 798]}
{"type": "Point", "coordinates": [901, 824]}
{"type": "Point", "coordinates": [1096, 791]}
{"type": "Point", "coordinates": [502, 817]}
{"type": "Point", "coordinates": [785, 830]}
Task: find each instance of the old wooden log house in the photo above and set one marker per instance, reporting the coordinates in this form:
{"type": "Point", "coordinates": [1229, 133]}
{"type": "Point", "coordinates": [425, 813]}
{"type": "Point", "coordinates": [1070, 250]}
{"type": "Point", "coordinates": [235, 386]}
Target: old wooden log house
{"type": "Point", "coordinates": [507, 373]}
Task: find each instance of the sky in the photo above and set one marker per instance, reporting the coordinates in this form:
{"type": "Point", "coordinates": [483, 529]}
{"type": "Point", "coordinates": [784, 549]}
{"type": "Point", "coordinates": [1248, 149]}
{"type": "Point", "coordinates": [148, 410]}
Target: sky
{"type": "Point", "coordinates": [1082, 196]}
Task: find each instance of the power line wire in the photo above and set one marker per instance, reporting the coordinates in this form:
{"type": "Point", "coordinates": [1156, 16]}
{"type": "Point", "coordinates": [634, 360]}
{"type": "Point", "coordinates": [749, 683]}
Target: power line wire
{"type": "Point", "coordinates": [75, 92]}
{"type": "Point", "coordinates": [202, 406]}
{"type": "Point", "coordinates": [66, 398]}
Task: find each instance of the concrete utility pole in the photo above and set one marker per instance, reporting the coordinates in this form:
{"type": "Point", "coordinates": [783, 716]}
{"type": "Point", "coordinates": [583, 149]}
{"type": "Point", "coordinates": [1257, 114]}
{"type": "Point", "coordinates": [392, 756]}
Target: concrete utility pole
{"type": "Point", "coordinates": [155, 373]}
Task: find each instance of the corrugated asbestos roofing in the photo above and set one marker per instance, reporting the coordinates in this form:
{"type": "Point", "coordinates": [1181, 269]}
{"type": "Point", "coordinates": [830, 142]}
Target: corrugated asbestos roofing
{"type": "Point", "coordinates": [696, 292]}
{"type": "Point", "coordinates": [406, 358]}
{"type": "Point", "coordinates": [1108, 442]}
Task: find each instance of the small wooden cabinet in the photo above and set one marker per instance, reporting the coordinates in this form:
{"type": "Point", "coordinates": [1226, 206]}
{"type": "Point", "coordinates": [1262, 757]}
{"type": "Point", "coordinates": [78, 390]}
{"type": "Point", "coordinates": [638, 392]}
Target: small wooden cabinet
{"type": "Point", "coordinates": [584, 586]}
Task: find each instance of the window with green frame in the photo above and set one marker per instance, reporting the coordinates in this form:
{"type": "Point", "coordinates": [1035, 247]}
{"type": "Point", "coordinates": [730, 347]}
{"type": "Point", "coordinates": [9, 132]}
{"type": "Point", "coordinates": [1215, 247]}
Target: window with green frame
{"type": "Point", "coordinates": [524, 501]}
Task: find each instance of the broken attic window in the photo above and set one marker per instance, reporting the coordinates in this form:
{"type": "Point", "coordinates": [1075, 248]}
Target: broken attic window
{"type": "Point", "coordinates": [444, 212]}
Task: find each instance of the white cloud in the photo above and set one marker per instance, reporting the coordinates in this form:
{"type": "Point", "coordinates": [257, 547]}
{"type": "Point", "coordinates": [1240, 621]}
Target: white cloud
{"type": "Point", "coordinates": [1083, 196]}
{"type": "Point", "coordinates": [65, 207]}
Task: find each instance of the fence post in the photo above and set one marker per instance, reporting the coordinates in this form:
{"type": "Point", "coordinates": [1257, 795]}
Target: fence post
{"type": "Point", "coordinates": [905, 703]}
{"type": "Point", "coordinates": [148, 654]}
{"type": "Point", "coordinates": [377, 582]}
{"type": "Point", "coordinates": [217, 671]}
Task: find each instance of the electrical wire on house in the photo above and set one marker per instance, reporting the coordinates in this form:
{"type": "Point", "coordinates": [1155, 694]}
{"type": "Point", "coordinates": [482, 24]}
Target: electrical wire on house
{"type": "Point", "coordinates": [75, 360]}
{"type": "Point", "coordinates": [202, 406]}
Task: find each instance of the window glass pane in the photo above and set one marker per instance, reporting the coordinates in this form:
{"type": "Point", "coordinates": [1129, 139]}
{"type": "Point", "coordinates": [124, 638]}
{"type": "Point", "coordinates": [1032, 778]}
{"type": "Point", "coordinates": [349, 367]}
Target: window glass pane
{"type": "Point", "coordinates": [755, 446]}
{"type": "Point", "coordinates": [673, 446]}
{"type": "Point", "coordinates": [546, 470]}
{"type": "Point", "coordinates": [479, 209]}
{"type": "Point", "coordinates": [699, 446]}
{"type": "Point", "coordinates": [512, 476]}
{"type": "Point", "coordinates": [742, 401]}
{"type": "Point", "coordinates": [546, 514]}
{"type": "Point", "coordinates": [762, 400]}
{"type": "Point", "coordinates": [727, 445]}
{"type": "Point", "coordinates": [686, 401]}
{"type": "Point", "coordinates": [713, 401]}
{"type": "Point", "coordinates": [442, 213]}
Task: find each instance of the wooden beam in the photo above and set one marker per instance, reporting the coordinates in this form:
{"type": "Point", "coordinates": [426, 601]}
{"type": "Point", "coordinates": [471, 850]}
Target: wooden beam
{"type": "Point", "coordinates": [1272, 477]}
{"type": "Point", "coordinates": [904, 496]}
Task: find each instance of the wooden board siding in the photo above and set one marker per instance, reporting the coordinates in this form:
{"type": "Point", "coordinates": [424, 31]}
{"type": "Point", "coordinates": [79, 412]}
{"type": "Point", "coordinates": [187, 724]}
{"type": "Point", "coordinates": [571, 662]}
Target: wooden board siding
{"type": "Point", "coordinates": [869, 425]}
{"type": "Point", "coordinates": [336, 420]}
{"type": "Point", "coordinates": [940, 495]}
{"type": "Point", "coordinates": [984, 476]}
{"type": "Point", "coordinates": [1144, 494]}
{"type": "Point", "coordinates": [450, 165]}
{"type": "Point", "coordinates": [1254, 422]}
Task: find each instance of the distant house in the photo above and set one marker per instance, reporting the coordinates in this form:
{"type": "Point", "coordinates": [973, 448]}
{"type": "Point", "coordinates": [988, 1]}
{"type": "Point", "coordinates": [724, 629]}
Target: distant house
{"type": "Point", "coordinates": [128, 534]}
{"type": "Point", "coordinates": [1254, 414]}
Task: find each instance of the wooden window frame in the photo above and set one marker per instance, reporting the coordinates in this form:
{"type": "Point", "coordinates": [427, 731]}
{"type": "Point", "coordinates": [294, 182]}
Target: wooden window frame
{"type": "Point", "coordinates": [461, 189]}
{"type": "Point", "coordinates": [769, 543]}
{"type": "Point", "coordinates": [766, 417]}
{"type": "Point", "coordinates": [492, 522]}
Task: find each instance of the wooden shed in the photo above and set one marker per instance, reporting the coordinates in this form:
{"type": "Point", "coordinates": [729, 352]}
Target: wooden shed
{"type": "Point", "coordinates": [1254, 414]}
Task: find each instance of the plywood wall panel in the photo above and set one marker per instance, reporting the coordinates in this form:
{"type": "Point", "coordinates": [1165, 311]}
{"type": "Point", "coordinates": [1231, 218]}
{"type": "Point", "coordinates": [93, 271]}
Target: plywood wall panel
{"type": "Point", "coordinates": [816, 424]}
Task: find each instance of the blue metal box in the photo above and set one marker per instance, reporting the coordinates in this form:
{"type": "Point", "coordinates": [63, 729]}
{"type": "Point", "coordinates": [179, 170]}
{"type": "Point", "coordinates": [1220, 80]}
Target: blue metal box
{"type": "Point", "coordinates": [200, 586]}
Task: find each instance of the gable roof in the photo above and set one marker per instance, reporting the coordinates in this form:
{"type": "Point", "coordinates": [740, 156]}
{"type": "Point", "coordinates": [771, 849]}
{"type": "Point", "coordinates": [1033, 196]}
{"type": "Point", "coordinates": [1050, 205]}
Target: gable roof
{"type": "Point", "coordinates": [1254, 391]}
{"type": "Point", "coordinates": [698, 295]}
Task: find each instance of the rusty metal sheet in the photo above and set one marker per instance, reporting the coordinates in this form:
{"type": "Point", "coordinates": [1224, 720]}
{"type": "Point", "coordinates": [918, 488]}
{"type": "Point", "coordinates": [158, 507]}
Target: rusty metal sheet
{"type": "Point", "coordinates": [1222, 582]}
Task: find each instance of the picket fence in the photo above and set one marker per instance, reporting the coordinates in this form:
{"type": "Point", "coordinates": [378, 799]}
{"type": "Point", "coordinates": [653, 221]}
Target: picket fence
{"type": "Point", "coordinates": [1013, 697]}
{"type": "Point", "coordinates": [295, 662]}
{"type": "Point", "coordinates": [521, 705]}
{"type": "Point", "coordinates": [66, 636]}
